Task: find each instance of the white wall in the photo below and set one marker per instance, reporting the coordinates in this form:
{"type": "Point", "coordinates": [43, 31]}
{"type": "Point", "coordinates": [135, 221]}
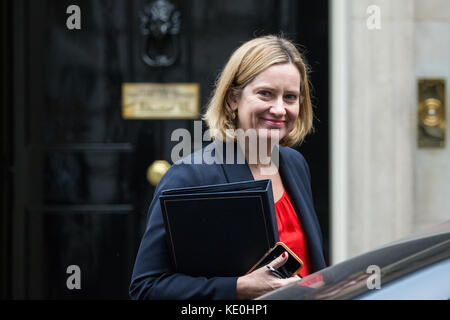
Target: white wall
{"type": "Point", "coordinates": [432, 59]}
{"type": "Point", "coordinates": [384, 187]}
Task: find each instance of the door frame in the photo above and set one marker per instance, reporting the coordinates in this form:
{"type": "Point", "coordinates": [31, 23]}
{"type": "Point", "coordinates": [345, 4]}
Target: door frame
{"type": "Point", "coordinates": [5, 121]}
{"type": "Point", "coordinates": [339, 81]}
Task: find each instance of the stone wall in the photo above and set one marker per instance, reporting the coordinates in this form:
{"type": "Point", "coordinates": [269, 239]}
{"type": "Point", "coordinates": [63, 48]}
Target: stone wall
{"type": "Point", "coordinates": [391, 188]}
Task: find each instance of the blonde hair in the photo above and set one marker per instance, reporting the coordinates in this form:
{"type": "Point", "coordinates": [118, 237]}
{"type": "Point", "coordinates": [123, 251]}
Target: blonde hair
{"type": "Point", "coordinates": [244, 65]}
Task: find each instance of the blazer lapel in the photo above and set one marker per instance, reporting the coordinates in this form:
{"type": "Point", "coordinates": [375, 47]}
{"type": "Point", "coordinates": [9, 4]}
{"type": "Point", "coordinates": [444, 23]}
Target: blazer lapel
{"type": "Point", "coordinates": [235, 168]}
{"type": "Point", "coordinates": [295, 186]}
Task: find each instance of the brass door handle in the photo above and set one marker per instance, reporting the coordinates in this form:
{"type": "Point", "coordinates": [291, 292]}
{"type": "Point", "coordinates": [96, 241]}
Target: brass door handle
{"type": "Point", "coordinates": [156, 171]}
{"type": "Point", "coordinates": [431, 113]}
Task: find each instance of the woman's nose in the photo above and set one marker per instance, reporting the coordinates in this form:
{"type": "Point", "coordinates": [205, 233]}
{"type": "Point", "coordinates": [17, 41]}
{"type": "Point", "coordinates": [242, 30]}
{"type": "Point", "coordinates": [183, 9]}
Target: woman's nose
{"type": "Point", "coordinates": [277, 107]}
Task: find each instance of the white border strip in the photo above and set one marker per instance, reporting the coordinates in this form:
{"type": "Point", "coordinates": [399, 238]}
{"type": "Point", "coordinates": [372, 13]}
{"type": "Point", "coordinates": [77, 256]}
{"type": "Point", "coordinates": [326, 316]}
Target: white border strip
{"type": "Point", "coordinates": [340, 52]}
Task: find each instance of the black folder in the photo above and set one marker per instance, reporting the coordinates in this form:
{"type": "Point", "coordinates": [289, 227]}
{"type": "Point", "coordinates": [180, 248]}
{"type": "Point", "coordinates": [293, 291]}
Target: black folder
{"type": "Point", "coordinates": [219, 230]}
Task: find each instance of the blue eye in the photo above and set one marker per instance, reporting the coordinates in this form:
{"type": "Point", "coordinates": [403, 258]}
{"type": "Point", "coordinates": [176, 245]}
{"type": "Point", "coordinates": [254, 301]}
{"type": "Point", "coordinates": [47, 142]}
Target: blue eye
{"type": "Point", "coordinates": [291, 97]}
{"type": "Point", "coordinates": [264, 93]}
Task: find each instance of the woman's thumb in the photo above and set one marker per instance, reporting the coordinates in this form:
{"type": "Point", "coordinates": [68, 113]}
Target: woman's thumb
{"type": "Point", "coordinates": [280, 261]}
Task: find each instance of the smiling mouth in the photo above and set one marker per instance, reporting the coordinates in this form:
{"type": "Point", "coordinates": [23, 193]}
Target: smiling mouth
{"type": "Point", "coordinates": [275, 123]}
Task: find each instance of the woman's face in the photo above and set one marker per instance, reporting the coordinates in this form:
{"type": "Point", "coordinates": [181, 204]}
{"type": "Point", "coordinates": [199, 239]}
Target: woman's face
{"type": "Point", "coordinates": [270, 101]}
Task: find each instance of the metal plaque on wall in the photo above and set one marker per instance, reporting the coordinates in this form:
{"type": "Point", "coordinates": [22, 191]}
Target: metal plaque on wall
{"type": "Point", "coordinates": [160, 100]}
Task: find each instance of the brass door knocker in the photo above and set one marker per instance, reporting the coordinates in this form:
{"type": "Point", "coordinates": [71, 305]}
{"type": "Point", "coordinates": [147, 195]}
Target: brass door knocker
{"type": "Point", "coordinates": [160, 28]}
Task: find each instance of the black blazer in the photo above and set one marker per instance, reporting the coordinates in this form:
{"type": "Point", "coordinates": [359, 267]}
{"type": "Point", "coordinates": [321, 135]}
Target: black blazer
{"type": "Point", "coordinates": [153, 277]}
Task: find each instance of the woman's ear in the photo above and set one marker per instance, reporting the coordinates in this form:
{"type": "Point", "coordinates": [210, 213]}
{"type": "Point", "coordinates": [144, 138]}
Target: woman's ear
{"type": "Point", "coordinates": [232, 100]}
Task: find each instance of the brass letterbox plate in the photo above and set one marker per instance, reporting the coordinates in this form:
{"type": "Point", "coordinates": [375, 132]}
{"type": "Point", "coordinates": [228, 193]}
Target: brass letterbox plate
{"type": "Point", "coordinates": [431, 113]}
{"type": "Point", "coordinates": [160, 100]}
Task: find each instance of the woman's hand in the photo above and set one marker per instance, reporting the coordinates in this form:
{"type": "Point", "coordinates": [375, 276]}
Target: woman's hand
{"type": "Point", "coordinates": [262, 280]}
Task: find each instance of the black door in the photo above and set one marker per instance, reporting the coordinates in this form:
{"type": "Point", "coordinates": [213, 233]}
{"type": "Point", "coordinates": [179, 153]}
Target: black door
{"type": "Point", "coordinates": [74, 189]}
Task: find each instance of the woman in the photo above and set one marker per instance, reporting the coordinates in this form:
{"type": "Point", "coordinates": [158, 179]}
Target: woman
{"type": "Point", "coordinates": [264, 88]}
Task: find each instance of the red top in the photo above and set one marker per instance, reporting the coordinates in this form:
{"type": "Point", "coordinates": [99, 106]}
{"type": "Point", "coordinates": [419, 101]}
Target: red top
{"type": "Point", "coordinates": [291, 232]}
